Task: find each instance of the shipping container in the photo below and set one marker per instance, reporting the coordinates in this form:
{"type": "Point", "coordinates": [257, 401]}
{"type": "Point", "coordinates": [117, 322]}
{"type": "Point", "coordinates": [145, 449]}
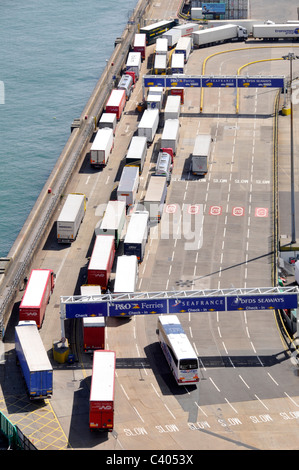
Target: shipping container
{"type": "Point", "coordinates": [101, 147]}
{"type": "Point", "coordinates": [116, 102]}
{"type": "Point", "coordinates": [37, 294]}
{"type": "Point", "coordinates": [113, 220]}
{"type": "Point", "coordinates": [140, 44]}
{"type": "Point", "coordinates": [134, 63]}
{"type": "Point", "coordinates": [155, 197]}
{"type": "Point", "coordinates": [137, 235]}
{"type": "Point", "coordinates": [171, 134]}
{"type": "Point", "coordinates": [177, 64]}
{"type": "Point", "coordinates": [126, 274]}
{"type": "Point", "coordinates": [70, 218]}
{"type": "Point", "coordinates": [160, 64]}
{"type": "Point", "coordinates": [173, 107]}
{"type": "Point", "coordinates": [184, 46]}
{"type": "Point", "coordinates": [126, 84]}
{"type": "Point", "coordinates": [161, 46]}
{"type": "Point", "coordinates": [108, 120]}
{"type": "Point", "coordinates": [101, 399]}
{"type": "Point", "coordinates": [201, 154]}
{"type": "Point", "coordinates": [148, 124]}
{"type": "Point", "coordinates": [128, 185]}
{"type": "Point", "coordinates": [136, 154]}
{"type": "Point", "coordinates": [33, 360]}
{"type": "Point", "coordinates": [101, 261]}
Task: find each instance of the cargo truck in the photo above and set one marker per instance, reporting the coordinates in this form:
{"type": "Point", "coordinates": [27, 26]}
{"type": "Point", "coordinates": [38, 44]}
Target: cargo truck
{"type": "Point", "coordinates": [154, 101]}
{"type": "Point", "coordinates": [140, 44]}
{"type": "Point", "coordinates": [177, 64]}
{"type": "Point", "coordinates": [184, 46]}
{"type": "Point", "coordinates": [93, 327]}
{"type": "Point", "coordinates": [160, 64]}
{"type": "Point", "coordinates": [137, 235]}
{"type": "Point", "coordinates": [70, 218]}
{"type": "Point", "coordinates": [170, 134]}
{"type": "Point", "coordinates": [128, 185]}
{"type": "Point", "coordinates": [161, 46]}
{"type": "Point", "coordinates": [173, 107]}
{"type": "Point", "coordinates": [187, 29]}
{"type": "Point", "coordinates": [172, 36]}
{"type": "Point", "coordinates": [177, 91]}
{"type": "Point", "coordinates": [275, 31]}
{"type": "Point", "coordinates": [101, 261]}
{"type": "Point", "coordinates": [155, 197]}
{"type": "Point", "coordinates": [101, 147]}
{"type": "Point", "coordinates": [220, 34]}
{"type": "Point", "coordinates": [101, 399]}
{"type": "Point", "coordinates": [126, 84]}
{"type": "Point", "coordinates": [108, 120]}
{"type": "Point", "coordinates": [126, 274]}
{"type": "Point", "coordinates": [201, 154]}
{"type": "Point", "coordinates": [116, 102]}
{"type": "Point", "coordinates": [164, 165]}
{"type": "Point", "coordinates": [134, 63]}
{"type": "Point", "coordinates": [148, 124]}
{"type": "Point", "coordinates": [113, 220]}
{"type": "Point", "coordinates": [33, 360]}
{"type": "Point", "coordinates": [136, 154]}
{"type": "Point", "coordinates": [37, 294]}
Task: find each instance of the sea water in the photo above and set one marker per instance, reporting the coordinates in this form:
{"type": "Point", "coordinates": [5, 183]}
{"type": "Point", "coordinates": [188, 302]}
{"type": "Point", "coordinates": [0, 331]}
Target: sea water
{"type": "Point", "coordinates": [52, 55]}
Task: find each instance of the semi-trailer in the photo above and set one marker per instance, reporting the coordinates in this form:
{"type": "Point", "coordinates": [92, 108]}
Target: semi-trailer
{"type": "Point", "coordinates": [33, 360]}
{"type": "Point", "coordinates": [173, 107]}
{"type": "Point", "coordinates": [184, 46]}
{"type": "Point", "coordinates": [133, 63]}
{"type": "Point", "coordinates": [220, 34]}
{"type": "Point", "coordinates": [70, 218]}
{"type": "Point", "coordinates": [161, 46]}
{"type": "Point", "coordinates": [160, 64]}
{"type": "Point", "coordinates": [116, 102]}
{"type": "Point", "coordinates": [37, 294]}
{"type": "Point", "coordinates": [148, 124]}
{"type": "Point", "coordinates": [177, 64]}
{"type": "Point", "coordinates": [113, 220]}
{"type": "Point", "coordinates": [126, 274]}
{"type": "Point", "coordinates": [201, 154]}
{"type": "Point", "coordinates": [108, 120]}
{"type": "Point", "coordinates": [275, 31]}
{"type": "Point", "coordinates": [172, 36]}
{"type": "Point", "coordinates": [155, 197]}
{"type": "Point", "coordinates": [101, 261]}
{"type": "Point", "coordinates": [137, 235]}
{"type": "Point", "coordinates": [154, 101]}
{"type": "Point", "coordinates": [101, 147]}
{"type": "Point", "coordinates": [170, 134]}
{"type": "Point", "coordinates": [101, 399]}
{"type": "Point", "coordinates": [136, 154]}
{"type": "Point", "coordinates": [187, 29]}
{"type": "Point", "coordinates": [128, 185]}
{"type": "Point", "coordinates": [140, 44]}
{"type": "Point", "coordinates": [93, 327]}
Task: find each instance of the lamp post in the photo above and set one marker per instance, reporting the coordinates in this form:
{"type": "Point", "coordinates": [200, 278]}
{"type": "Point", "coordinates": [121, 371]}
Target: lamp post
{"type": "Point", "coordinates": [291, 56]}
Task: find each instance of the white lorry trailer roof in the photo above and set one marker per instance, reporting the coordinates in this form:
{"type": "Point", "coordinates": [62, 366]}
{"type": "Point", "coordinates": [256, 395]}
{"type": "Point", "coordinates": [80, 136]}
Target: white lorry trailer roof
{"type": "Point", "coordinates": [35, 288]}
{"type": "Point", "coordinates": [114, 215]}
{"type": "Point", "coordinates": [202, 144]}
{"type": "Point", "coordinates": [102, 137]}
{"type": "Point", "coordinates": [170, 130]}
{"type": "Point", "coordinates": [102, 384]}
{"type": "Point", "coordinates": [115, 98]}
{"type": "Point", "coordinates": [126, 271]}
{"type": "Point", "coordinates": [136, 227]}
{"type": "Point", "coordinates": [155, 189]}
{"type": "Point", "coordinates": [148, 118]}
{"type": "Point", "coordinates": [70, 209]}
{"type": "Point", "coordinates": [32, 347]}
{"type": "Point", "coordinates": [101, 252]}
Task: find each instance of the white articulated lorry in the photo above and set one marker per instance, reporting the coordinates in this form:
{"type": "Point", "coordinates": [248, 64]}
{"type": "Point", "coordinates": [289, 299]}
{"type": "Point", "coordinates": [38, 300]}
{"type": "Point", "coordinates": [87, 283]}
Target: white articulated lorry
{"type": "Point", "coordinates": [101, 147]}
{"type": "Point", "coordinates": [225, 33]}
{"type": "Point", "coordinates": [155, 197]}
{"type": "Point", "coordinates": [148, 124]}
{"type": "Point", "coordinates": [275, 31]}
{"type": "Point", "coordinates": [170, 135]}
{"type": "Point", "coordinates": [70, 218]}
{"type": "Point", "coordinates": [201, 154]}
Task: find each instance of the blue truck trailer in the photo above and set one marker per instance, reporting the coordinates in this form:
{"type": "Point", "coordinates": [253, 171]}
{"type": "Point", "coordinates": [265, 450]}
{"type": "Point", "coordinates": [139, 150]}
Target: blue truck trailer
{"type": "Point", "coordinates": [33, 360]}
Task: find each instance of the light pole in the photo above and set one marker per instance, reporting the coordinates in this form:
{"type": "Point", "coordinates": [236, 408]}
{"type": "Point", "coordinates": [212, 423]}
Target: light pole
{"type": "Point", "coordinates": [291, 56]}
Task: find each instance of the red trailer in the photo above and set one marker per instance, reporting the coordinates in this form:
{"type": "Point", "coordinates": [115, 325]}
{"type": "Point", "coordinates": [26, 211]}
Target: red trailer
{"type": "Point", "coordinates": [140, 44]}
{"type": "Point", "coordinates": [93, 333]}
{"type": "Point", "coordinates": [101, 400]}
{"type": "Point", "coordinates": [116, 102]}
{"type": "Point", "coordinates": [36, 297]}
{"type": "Point", "coordinates": [101, 261]}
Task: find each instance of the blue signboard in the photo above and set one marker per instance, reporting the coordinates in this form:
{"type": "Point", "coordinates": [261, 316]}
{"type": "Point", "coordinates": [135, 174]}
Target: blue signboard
{"type": "Point", "coordinates": [88, 309]}
{"type": "Point", "coordinates": [260, 82]}
{"type": "Point", "coordinates": [208, 8]}
{"type": "Point", "coordinates": [219, 82]}
{"type": "Point", "coordinates": [196, 304]}
{"type": "Point", "coordinates": [186, 82]}
{"type": "Point", "coordinates": [154, 81]}
{"type": "Point", "coordinates": [262, 302]}
{"type": "Point", "coordinates": [137, 307]}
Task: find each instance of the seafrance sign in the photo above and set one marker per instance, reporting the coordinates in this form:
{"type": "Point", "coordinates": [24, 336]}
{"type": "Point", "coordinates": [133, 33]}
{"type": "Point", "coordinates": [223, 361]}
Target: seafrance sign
{"type": "Point", "coordinates": [77, 309]}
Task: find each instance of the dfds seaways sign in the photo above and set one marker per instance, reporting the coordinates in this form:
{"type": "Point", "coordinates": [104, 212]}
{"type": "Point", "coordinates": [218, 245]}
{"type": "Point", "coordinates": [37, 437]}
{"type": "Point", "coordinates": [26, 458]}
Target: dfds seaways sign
{"type": "Point", "coordinates": [262, 302]}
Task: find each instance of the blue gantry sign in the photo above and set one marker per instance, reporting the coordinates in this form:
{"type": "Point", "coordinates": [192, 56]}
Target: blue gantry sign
{"type": "Point", "coordinates": [262, 302]}
{"type": "Point", "coordinates": [205, 81]}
